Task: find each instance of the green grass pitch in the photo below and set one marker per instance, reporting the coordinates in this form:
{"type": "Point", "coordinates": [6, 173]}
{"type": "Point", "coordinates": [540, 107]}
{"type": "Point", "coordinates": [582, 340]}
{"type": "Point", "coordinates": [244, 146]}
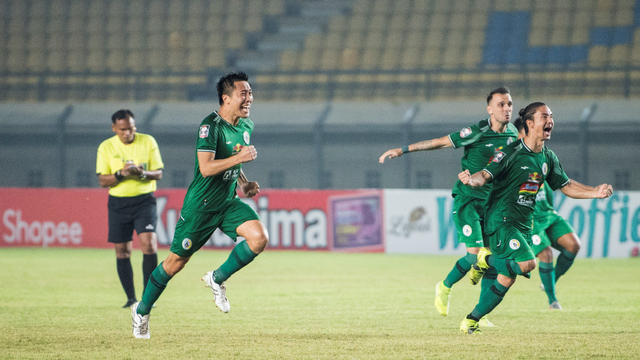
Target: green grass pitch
{"type": "Point", "coordinates": [66, 303]}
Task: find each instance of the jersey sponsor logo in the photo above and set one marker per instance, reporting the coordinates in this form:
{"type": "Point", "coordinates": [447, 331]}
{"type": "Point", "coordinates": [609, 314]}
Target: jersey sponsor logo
{"type": "Point", "coordinates": [536, 239]}
{"type": "Point", "coordinates": [237, 148]}
{"type": "Point", "coordinates": [149, 227]}
{"type": "Point", "coordinates": [231, 175]}
{"type": "Point", "coordinates": [466, 230]}
{"type": "Point", "coordinates": [465, 132]}
{"type": "Point", "coordinates": [545, 168]}
{"type": "Point", "coordinates": [514, 244]}
{"type": "Point", "coordinates": [186, 244]}
{"type": "Point", "coordinates": [535, 178]}
{"type": "Point", "coordinates": [204, 131]}
{"type": "Point", "coordinates": [529, 188]}
{"type": "Point", "coordinates": [246, 137]}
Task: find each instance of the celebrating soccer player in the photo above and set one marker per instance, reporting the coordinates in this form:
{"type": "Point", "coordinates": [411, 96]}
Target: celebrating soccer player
{"type": "Point", "coordinates": [517, 173]}
{"type": "Point", "coordinates": [480, 142]}
{"type": "Point", "coordinates": [211, 201]}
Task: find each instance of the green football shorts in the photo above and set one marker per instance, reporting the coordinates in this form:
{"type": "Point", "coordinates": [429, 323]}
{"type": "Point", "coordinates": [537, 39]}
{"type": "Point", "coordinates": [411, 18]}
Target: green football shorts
{"type": "Point", "coordinates": [195, 228]}
{"type": "Point", "coordinates": [547, 231]}
{"type": "Point", "coordinates": [507, 242]}
{"type": "Point", "coordinates": [467, 215]}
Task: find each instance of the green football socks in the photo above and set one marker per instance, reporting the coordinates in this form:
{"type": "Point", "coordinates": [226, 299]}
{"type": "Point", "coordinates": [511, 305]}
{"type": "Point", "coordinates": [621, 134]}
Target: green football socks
{"type": "Point", "coordinates": [564, 262]}
{"type": "Point", "coordinates": [157, 283]}
{"type": "Point", "coordinates": [489, 300]}
{"type": "Point", "coordinates": [488, 279]}
{"type": "Point", "coordinates": [547, 276]}
{"type": "Point", "coordinates": [240, 256]}
{"type": "Point", "coordinates": [462, 267]}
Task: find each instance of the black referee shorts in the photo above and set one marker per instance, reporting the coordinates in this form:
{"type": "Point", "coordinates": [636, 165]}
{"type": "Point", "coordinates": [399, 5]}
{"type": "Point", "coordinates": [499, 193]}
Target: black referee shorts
{"type": "Point", "coordinates": [129, 213]}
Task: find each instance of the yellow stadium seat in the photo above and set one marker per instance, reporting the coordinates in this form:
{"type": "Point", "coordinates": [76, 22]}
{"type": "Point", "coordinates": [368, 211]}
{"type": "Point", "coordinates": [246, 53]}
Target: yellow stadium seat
{"type": "Point", "coordinates": [522, 5]}
{"type": "Point", "coordinates": [502, 5]}
{"type": "Point", "coordinates": [330, 59]}
{"type": "Point", "coordinates": [598, 55]}
{"type": "Point", "coordinates": [619, 55]}
{"type": "Point", "coordinates": [370, 59]}
{"type": "Point", "coordinates": [334, 40]}
{"type": "Point", "coordinates": [435, 38]}
{"type": "Point", "coordinates": [235, 40]}
{"type": "Point", "coordinates": [215, 58]}
{"type": "Point", "coordinates": [96, 60]}
{"type": "Point", "coordinates": [349, 59]}
{"type": "Point", "coordinates": [289, 60]}
{"type": "Point", "coordinates": [275, 7]}
{"type": "Point", "coordinates": [390, 59]}
{"type": "Point", "coordinates": [36, 60]}
{"type": "Point", "coordinates": [354, 40]}
{"type": "Point", "coordinates": [314, 41]}
{"type": "Point", "coordinates": [358, 23]}
{"type": "Point", "coordinates": [136, 60]}
{"type": "Point", "coordinates": [77, 60]}
{"type": "Point", "coordinates": [56, 60]}
{"type": "Point", "coordinates": [309, 60]}
{"type": "Point", "coordinates": [361, 7]}
{"type": "Point", "coordinates": [603, 17]}
{"type": "Point", "coordinates": [559, 36]}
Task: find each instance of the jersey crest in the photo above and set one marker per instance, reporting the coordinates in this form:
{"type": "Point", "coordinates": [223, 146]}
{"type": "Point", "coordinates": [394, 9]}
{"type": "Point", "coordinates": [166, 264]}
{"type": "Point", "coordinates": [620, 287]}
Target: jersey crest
{"type": "Point", "coordinates": [246, 137]}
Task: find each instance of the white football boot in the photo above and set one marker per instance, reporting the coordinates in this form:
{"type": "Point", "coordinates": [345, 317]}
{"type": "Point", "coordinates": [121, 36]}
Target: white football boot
{"type": "Point", "coordinates": [140, 323]}
{"type": "Point", "coordinates": [219, 292]}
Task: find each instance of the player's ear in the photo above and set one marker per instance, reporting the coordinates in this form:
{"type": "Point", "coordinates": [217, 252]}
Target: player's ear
{"type": "Point", "coordinates": [113, 127]}
{"type": "Point", "coordinates": [225, 97]}
{"type": "Point", "coordinates": [489, 110]}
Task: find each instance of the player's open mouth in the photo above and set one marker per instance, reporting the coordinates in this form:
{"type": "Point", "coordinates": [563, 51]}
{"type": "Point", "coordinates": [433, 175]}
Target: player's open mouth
{"type": "Point", "coordinates": [547, 130]}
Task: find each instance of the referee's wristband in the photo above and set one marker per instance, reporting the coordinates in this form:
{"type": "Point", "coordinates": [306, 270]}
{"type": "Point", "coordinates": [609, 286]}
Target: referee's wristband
{"type": "Point", "coordinates": [118, 175]}
{"type": "Point", "coordinates": [405, 149]}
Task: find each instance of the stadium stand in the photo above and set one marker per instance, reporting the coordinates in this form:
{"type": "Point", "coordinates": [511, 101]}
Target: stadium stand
{"type": "Point", "coordinates": [94, 50]}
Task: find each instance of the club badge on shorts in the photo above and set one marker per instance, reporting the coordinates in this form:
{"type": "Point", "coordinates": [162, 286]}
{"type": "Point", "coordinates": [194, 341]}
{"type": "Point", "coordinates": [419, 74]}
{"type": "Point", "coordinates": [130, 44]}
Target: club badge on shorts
{"type": "Point", "coordinates": [246, 137]}
{"type": "Point", "coordinates": [536, 240]}
{"type": "Point", "coordinates": [204, 131]}
{"type": "Point", "coordinates": [186, 244]}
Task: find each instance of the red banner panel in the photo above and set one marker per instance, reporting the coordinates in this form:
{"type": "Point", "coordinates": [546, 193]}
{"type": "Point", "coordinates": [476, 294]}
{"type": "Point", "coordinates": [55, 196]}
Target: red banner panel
{"type": "Point", "coordinates": [295, 219]}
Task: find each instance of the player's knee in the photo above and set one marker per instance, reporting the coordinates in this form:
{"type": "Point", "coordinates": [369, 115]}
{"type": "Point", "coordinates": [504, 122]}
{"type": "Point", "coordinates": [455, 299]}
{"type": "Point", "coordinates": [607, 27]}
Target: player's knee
{"type": "Point", "coordinates": [527, 266]}
{"type": "Point", "coordinates": [575, 244]}
{"type": "Point", "coordinates": [546, 255]}
{"type": "Point", "coordinates": [258, 243]}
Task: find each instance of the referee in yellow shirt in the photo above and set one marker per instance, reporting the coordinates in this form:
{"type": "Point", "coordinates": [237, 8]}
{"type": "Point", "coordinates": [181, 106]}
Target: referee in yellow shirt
{"type": "Point", "coordinates": [129, 164]}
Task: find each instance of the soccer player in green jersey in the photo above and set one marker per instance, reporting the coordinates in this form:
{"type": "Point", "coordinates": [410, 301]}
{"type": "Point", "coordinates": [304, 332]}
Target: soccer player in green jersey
{"type": "Point", "coordinates": [551, 230]}
{"type": "Point", "coordinates": [211, 201]}
{"type": "Point", "coordinates": [517, 172]}
{"type": "Point", "coordinates": [480, 142]}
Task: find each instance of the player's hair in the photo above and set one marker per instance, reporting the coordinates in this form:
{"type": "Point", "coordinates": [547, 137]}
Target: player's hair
{"type": "Point", "coordinates": [121, 114]}
{"type": "Point", "coordinates": [501, 90]}
{"type": "Point", "coordinates": [226, 84]}
{"type": "Point", "coordinates": [527, 114]}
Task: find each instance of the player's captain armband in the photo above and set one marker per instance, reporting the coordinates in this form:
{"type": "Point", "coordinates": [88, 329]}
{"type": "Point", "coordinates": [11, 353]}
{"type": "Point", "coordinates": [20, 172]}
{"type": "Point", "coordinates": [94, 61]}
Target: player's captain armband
{"type": "Point", "coordinates": [465, 132]}
{"type": "Point", "coordinates": [204, 131]}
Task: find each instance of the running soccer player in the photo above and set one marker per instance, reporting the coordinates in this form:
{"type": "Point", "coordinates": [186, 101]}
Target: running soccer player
{"type": "Point", "coordinates": [480, 142]}
{"type": "Point", "coordinates": [551, 230]}
{"type": "Point", "coordinates": [211, 201]}
{"type": "Point", "coordinates": [517, 172]}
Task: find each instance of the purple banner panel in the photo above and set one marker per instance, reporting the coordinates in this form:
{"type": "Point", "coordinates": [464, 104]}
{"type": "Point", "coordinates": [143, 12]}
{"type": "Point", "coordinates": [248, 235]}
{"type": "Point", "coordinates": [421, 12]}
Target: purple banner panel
{"type": "Point", "coordinates": [356, 222]}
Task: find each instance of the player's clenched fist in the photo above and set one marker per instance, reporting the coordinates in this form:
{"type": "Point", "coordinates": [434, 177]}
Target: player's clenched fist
{"type": "Point", "coordinates": [465, 177]}
{"type": "Point", "coordinates": [250, 189]}
{"type": "Point", "coordinates": [248, 153]}
{"type": "Point", "coordinates": [604, 191]}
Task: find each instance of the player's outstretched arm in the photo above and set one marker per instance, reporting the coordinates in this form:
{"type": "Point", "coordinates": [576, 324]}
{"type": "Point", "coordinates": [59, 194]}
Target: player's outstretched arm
{"type": "Point", "coordinates": [476, 180]}
{"type": "Point", "coordinates": [577, 190]}
{"type": "Point", "coordinates": [209, 166]}
{"type": "Point", "coordinates": [249, 188]}
{"type": "Point", "coordinates": [432, 144]}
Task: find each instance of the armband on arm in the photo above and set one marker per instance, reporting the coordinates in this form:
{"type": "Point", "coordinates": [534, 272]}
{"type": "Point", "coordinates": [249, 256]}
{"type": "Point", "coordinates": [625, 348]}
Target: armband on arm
{"type": "Point", "coordinates": [118, 175]}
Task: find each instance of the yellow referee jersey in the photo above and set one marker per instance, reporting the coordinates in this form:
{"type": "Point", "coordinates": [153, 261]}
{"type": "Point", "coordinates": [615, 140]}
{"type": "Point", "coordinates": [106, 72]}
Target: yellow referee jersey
{"type": "Point", "coordinates": [113, 154]}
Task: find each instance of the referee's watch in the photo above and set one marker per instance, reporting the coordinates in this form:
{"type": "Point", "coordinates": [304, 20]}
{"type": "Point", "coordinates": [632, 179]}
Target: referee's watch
{"type": "Point", "coordinates": [143, 176]}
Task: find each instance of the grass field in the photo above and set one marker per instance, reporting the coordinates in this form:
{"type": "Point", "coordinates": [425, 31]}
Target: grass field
{"type": "Point", "coordinates": [64, 303]}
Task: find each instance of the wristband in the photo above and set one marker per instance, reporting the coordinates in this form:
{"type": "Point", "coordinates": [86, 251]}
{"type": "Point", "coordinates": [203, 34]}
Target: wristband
{"type": "Point", "coordinates": [143, 176]}
{"type": "Point", "coordinates": [118, 175]}
{"type": "Point", "coordinates": [405, 149]}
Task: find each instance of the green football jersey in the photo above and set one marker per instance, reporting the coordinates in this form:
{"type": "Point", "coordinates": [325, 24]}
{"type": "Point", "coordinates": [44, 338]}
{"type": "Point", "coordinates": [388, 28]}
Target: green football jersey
{"type": "Point", "coordinates": [544, 202]}
{"type": "Point", "coordinates": [480, 144]}
{"type": "Point", "coordinates": [214, 193]}
{"type": "Point", "coordinates": [518, 173]}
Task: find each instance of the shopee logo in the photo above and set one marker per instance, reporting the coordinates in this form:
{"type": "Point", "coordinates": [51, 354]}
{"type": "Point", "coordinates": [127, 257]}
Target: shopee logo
{"type": "Point", "coordinates": [37, 232]}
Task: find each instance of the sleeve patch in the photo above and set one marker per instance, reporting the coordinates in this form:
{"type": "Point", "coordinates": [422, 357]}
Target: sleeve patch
{"type": "Point", "coordinates": [465, 132]}
{"type": "Point", "coordinates": [204, 131]}
{"type": "Point", "coordinates": [498, 157]}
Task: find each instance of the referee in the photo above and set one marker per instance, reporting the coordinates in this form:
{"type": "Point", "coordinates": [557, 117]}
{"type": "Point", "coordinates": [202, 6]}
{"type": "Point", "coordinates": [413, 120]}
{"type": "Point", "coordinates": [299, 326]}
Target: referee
{"type": "Point", "coordinates": [129, 164]}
